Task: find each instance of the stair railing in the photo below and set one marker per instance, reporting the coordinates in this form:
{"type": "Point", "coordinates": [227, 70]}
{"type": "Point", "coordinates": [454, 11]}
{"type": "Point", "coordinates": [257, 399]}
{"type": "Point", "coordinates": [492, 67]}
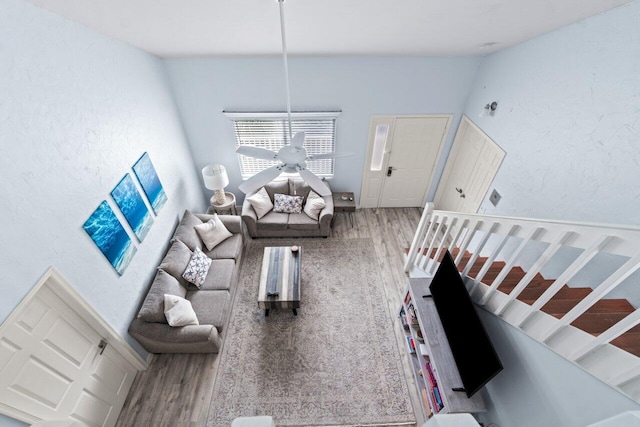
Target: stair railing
{"type": "Point", "coordinates": [488, 236]}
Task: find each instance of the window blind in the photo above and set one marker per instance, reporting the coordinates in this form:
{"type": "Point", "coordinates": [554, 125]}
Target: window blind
{"type": "Point", "coordinates": [271, 131]}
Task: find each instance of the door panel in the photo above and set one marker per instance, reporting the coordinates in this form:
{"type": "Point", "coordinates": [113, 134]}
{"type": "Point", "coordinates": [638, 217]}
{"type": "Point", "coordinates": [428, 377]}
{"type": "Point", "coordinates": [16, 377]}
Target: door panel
{"type": "Point", "coordinates": [470, 169]}
{"type": "Point", "coordinates": [51, 367]}
{"type": "Point", "coordinates": [415, 148]}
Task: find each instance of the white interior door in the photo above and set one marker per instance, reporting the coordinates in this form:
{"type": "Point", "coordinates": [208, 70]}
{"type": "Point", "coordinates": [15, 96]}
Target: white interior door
{"type": "Point", "coordinates": [470, 169]}
{"type": "Point", "coordinates": [55, 366]}
{"type": "Point", "coordinates": [401, 159]}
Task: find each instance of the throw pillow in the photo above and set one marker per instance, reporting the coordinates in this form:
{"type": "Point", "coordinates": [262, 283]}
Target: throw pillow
{"type": "Point", "coordinates": [197, 268]}
{"type": "Point", "coordinates": [287, 204]}
{"type": "Point", "coordinates": [179, 311]}
{"type": "Point", "coordinates": [261, 202]}
{"type": "Point", "coordinates": [185, 231]}
{"type": "Point", "coordinates": [315, 204]}
{"type": "Point", "coordinates": [213, 232]}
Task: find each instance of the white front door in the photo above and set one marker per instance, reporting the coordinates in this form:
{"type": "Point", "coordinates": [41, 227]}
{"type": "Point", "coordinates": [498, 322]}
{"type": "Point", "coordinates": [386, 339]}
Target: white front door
{"type": "Point", "coordinates": [55, 366]}
{"type": "Point", "coordinates": [470, 169]}
{"type": "Point", "coordinates": [401, 159]}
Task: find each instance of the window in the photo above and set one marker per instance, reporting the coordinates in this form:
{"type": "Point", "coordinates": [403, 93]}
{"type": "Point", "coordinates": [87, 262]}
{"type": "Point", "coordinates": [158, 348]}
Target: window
{"type": "Point", "coordinates": [271, 130]}
{"type": "Point", "coordinates": [379, 144]}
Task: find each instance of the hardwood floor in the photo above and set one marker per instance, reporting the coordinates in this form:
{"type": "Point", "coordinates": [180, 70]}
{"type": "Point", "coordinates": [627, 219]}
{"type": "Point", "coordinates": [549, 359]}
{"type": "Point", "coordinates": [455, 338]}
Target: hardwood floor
{"type": "Point", "coordinates": [176, 388]}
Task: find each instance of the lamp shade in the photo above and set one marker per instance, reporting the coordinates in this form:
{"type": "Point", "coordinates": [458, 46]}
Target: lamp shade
{"type": "Point", "coordinates": [215, 177]}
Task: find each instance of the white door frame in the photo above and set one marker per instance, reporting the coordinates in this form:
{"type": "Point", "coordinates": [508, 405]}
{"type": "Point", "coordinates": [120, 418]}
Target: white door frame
{"type": "Point", "coordinates": [390, 120]}
{"type": "Point", "coordinates": [55, 282]}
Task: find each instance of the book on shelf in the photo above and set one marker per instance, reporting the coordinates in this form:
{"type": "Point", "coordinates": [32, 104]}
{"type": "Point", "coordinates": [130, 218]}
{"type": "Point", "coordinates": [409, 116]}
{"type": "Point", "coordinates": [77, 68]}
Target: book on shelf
{"type": "Point", "coordinates": [403, 319]}
{"type": "Point", "coordinates": [434, 404]}
{"type": "Point", "coordinates": [410, 344]}
{"type": "Point", "coordinates": [430, 375]}
{"type": "Point", "coordinates": [436, 392]}
{"type": "Point", "coordinates": [412, 317]}
{"type": "Point", "coordinates": [426, 404]}
{"type": "Point", "coordinates": [407, 298]}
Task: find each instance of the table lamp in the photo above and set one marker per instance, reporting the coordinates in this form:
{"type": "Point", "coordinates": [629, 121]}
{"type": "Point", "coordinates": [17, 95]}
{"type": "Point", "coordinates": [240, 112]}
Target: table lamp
{"type": "Point", "coordinates": [215, 178]}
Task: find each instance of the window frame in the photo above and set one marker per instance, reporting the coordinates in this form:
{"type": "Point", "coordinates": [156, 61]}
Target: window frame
{"type": "Point", "coordinates": [277, 117]}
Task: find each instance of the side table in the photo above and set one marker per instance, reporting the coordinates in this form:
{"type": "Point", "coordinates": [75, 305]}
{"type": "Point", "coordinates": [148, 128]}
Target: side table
{"type": "Point", "coordinates": [346, 206]}
{"type": "Point", "coordinates": [229, 205]}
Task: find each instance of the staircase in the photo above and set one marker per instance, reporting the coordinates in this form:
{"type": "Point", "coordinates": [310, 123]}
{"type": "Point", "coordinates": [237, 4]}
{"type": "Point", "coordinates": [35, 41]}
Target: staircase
{"type": "Point", "coordinates": [598, 332]}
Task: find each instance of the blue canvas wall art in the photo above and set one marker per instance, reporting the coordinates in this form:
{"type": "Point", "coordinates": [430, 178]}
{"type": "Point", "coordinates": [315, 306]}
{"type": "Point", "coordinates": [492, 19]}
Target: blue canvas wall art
{"type": "Point", "coordinates": [110, 237]}
{"type": "Point", "coordinates": [146, 174]}
{"type": "Point", "coordinates": [130, 202]}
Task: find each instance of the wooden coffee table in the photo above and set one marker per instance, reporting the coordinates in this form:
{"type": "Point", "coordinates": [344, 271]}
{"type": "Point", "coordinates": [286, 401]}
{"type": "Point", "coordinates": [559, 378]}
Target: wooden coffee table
{"type": "Point", "coordinates": [280, 279]}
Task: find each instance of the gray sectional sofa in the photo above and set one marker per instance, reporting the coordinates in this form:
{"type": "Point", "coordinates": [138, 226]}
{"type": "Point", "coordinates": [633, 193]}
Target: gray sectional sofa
{"type": "Point", "coordinates": [276, 224]}
{"type": "Point", "coordinates": [211, 303]}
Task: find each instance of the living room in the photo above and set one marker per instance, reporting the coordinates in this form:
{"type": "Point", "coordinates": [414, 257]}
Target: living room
{"type": "Point", "coordinates": [79, 108]}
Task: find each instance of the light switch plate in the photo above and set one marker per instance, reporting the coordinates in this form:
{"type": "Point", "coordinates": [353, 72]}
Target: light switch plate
{"type": "Point", "coordinates": [495, 197]}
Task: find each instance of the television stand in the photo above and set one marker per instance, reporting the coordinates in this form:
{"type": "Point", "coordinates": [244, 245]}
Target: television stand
{"type": "Point", "coordinates": [435, 371]}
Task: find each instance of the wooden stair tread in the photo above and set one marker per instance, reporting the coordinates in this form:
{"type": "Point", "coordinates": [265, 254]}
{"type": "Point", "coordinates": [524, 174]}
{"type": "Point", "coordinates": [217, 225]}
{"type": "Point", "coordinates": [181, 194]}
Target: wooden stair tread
{"type": "Point", "coordinates": [596, 323]}
{"type": "Point", "coordinates": [629, 342]}
{"type": "Point", "coordinates": [531, 294]}
{"type": "Point", "coordinates": [561, 307]}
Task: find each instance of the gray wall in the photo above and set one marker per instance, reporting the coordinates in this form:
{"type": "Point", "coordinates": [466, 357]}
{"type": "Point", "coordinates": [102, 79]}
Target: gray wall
{"type": "Point", "coordinates": [77, 110]}
{"type": "Point", "coordinates": [360, 87]}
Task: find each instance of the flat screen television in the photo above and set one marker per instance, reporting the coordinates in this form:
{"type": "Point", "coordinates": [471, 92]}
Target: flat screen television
{"type": "Point", "coordinates": [472, 349]}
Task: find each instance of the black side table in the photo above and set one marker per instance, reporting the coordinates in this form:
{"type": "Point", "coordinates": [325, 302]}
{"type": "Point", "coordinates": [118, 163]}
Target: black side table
{"type": "Point", "coordinates": [346, 206]}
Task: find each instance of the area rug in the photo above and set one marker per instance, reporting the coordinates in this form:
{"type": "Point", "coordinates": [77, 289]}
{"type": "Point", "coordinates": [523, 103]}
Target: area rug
{"type": "Point", "coordinates": [335, 363]}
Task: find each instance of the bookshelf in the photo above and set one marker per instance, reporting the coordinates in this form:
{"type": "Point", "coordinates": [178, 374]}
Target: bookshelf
{"type": "Point", "coordinates": [432, 362]}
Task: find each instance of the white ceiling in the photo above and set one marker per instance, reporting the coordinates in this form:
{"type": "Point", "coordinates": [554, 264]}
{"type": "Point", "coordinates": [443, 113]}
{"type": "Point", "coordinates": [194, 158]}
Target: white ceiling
{"type": "Point", "coordinates": [200, 28]}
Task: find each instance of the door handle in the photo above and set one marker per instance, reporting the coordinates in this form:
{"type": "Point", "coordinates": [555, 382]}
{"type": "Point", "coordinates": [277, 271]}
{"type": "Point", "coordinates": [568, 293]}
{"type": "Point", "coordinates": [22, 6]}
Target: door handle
{"type": "Point", "coordinates": [102, 346]}
{"type": "Point", "coordinates": [390, 169]}
{"type": "Point", "coordinates": [460, 190]}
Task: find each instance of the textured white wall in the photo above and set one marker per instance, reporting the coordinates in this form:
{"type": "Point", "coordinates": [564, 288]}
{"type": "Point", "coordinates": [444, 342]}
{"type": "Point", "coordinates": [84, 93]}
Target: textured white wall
{"type": "Point", "coordinates": [360, 87]}
{"type": "Point", "coordinates": [569, 120]}
{"type": "Point", "coordinates": [77, 110]}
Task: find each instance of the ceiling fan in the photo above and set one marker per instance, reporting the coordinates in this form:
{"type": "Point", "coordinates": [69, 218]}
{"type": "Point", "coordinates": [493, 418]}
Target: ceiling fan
{"type": "Point", "coordinates": [293, 157]}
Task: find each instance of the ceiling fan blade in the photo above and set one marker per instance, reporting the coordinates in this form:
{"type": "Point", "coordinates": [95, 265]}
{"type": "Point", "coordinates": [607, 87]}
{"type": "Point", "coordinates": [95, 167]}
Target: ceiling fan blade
{"type": "Point", "coordinates": [314, 182]}
{"type": "Point", "coordinates": [328, 156]}
{"type": "Point", "coordinates": [298, 139]}
{"type": "Point", "coordinates": [260, 179]}
{"type": "Point", "coordinates": [258, 153]}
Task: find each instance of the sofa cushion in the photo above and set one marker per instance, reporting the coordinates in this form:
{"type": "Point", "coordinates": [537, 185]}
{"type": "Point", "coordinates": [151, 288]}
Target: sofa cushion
{"type": "Point", "coordinates": [230, 248]}
{"type": "Point", "coordinates": [274, 221]}
{"type": "Point", "coordinates": [280, 187]}
{"type": "Point", "coordinates": [210, 306]}
{"type": "Point", "coordinates": [299, 187]}
{"type": "Point", "coordinates": [302, 221]}
{"type": "Point", "coordinates": [186, 231]}
{"type": "Point", "coordinates": [314, 204]}
{"type": "Point", "coordinates": [212, 232]}
{"type": "Point", "coordinates": [197, 269]}
{"type": "Point", "coordinates": [260, 202]}
{"type": "Point", "coordinates": [152, 309]}
{"type": "Point", "coordinates": [179, 311]}
{"type": "Point", "coordinates": [287, 204]}
{"type": "Point", "coordinates": [219, 275]}
{"type": "Point", "coordinates": [175, 261]}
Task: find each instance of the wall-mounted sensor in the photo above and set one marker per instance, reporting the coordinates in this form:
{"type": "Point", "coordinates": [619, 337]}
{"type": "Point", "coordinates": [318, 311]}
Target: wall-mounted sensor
{"type": "Point", "coordinates": [495, 197]}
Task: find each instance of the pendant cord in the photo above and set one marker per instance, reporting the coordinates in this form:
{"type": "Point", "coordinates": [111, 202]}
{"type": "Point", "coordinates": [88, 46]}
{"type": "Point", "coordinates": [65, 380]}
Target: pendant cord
{"type": "Point", "coordinates": [286, 66]}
